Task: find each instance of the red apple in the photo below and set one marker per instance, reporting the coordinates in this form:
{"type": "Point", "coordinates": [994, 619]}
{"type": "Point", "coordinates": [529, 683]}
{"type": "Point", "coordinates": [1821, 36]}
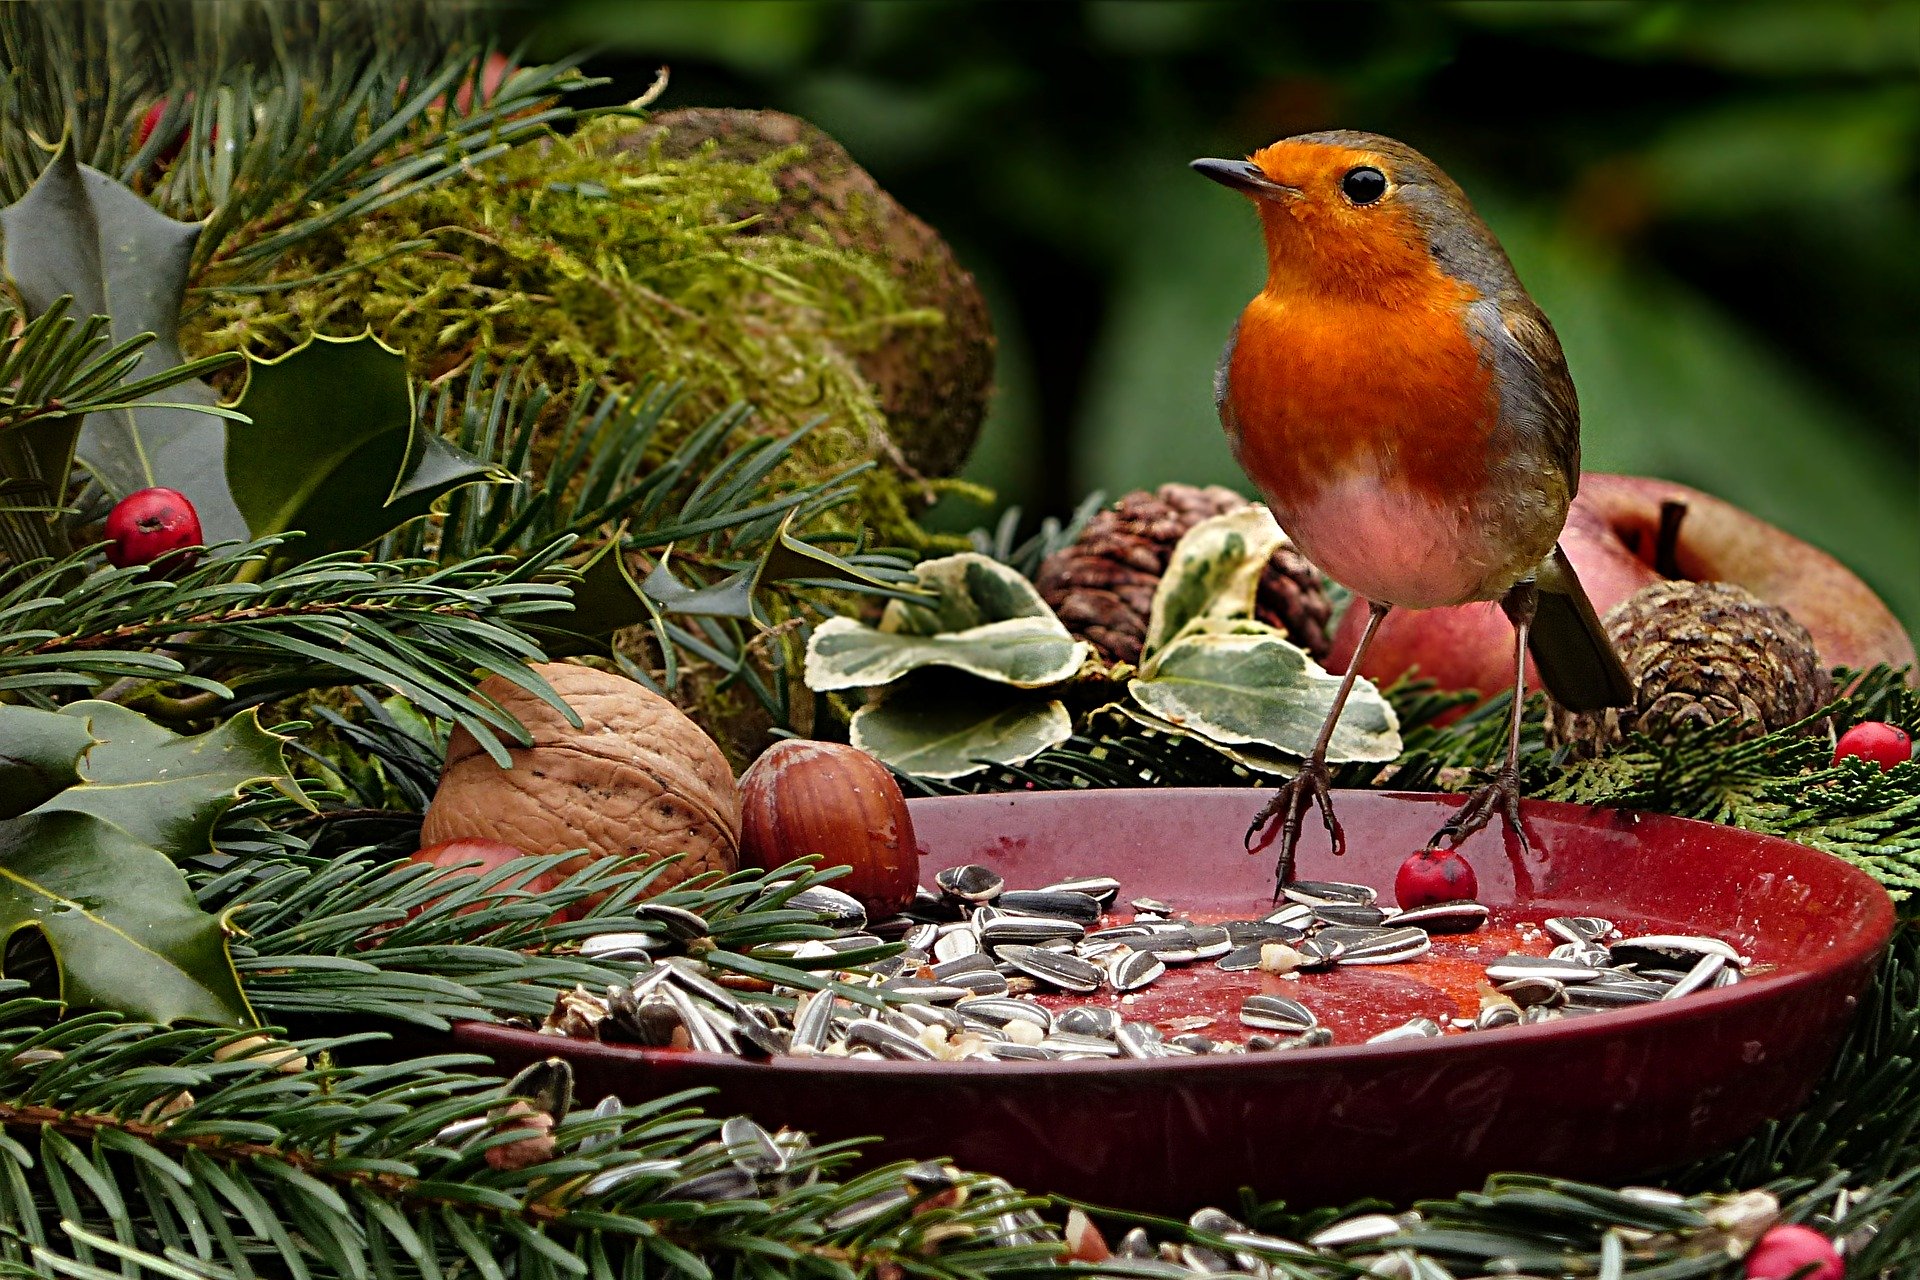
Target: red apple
{"type": "Point", "coordinates": [1614, 538]}
{"type": "Point", "coordinates": [482, 857]}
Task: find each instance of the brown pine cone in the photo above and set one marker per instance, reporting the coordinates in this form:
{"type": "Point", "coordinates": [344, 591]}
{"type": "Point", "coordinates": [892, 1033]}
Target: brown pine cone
{"type": "Point", "coordinates": [1102, 585]}
{"type": "Point", "coordinates": [1702, 653]}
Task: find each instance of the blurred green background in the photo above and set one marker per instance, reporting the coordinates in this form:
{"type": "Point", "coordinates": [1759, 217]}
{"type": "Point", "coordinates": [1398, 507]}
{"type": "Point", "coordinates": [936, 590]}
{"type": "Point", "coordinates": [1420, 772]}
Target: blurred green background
{"type": "Point", "coordinates": [1717, 204]}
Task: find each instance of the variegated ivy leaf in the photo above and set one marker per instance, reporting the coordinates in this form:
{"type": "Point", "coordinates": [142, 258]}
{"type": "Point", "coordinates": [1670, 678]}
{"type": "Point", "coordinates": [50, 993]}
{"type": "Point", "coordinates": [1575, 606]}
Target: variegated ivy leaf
{"type": "Point", "coordinates": [964, 591]}
{"type": "Point", "coordinates": [1253, 756]}
{"type": "Point", "coordinates": [1214, 572]}
{"type": "Point", "coordinates": [980, 617]}
{"type": "Point", "coordinates": [959, 728]}
{"type": "Point", "coordinates": [1244, 683]}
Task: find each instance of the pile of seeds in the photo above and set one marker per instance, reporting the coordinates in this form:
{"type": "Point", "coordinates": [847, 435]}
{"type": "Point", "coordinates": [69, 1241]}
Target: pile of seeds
{"type": "Point", "coordinates": [974, 954]}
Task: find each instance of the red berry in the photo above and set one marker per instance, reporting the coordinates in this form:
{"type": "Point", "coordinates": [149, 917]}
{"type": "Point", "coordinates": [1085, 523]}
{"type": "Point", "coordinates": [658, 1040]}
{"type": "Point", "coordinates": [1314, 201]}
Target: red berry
{"type": "Point", "coordinates": [153, 525]}
{"type": "Point", "coordinates": [1795, 1253]}
{"type": "Point", "coordinates": [1885, 744]}
{"type": "Point", "coordinates": [1435, 875]}
{"type": "Point", "coordinates": [151, 121]}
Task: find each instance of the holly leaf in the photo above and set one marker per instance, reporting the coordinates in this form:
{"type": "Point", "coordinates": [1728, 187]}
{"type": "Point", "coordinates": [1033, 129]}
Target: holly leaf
{"type": "Point", "coordinates": [978, 616]}
{"type": "Point", "coordinates": [951, 728]}
{"type": "Point", "coordinates": [1214, 572]}
{"type": "Point", "coordinates": [77, 232]}
{"type": "Point", "coordinates": [124, 929]}
{"type": "Point", "coordinates": [1242, 682]}
{"type": "Point", "coordinates": [163, 789]}
{"type": "Point", "coordinates": [336, 449]}
{"type": "Point", "coordinates": [39, 756]}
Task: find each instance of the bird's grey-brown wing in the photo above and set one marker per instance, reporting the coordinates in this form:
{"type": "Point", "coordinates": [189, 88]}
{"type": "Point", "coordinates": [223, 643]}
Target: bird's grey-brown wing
{"type": "Point", "coordinates": [1539, 409]}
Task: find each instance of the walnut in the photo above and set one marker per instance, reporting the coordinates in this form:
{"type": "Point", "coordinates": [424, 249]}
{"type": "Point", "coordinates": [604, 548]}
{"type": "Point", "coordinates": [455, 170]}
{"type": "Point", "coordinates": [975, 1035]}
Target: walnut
{"type": "Point", "coordinates": [637, 778]}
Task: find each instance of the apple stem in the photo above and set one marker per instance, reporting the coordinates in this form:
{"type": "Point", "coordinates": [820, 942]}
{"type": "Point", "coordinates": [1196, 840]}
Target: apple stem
{"type": "Point", "coordinates": [1666, 545]}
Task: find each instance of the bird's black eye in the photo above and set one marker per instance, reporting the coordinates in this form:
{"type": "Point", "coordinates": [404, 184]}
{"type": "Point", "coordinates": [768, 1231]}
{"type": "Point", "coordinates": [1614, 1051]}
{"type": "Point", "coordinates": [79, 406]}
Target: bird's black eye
{"type": "Point", "coordinates": [1364, 185]}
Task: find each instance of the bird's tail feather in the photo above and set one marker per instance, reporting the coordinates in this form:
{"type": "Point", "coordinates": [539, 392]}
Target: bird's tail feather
{"type": "Point", "coordinates": [1570, 648]}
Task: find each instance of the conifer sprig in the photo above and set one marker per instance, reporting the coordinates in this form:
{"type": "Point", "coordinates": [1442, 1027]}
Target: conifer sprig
{"type": "Point", "coordinates": [238, 635]}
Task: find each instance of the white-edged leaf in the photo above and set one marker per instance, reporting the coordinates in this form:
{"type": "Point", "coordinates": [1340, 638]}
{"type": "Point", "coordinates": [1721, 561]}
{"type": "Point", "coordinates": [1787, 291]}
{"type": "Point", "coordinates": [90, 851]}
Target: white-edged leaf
{"type": "Point", "coordinates": [1245, 683]}
{"type": "Point", "coordinates": [959, 729]}
{"type": "Point", "coordinates": [1248, 755]}
{"type": "Point", "coordinates": [965, 591]}
{"type": "Point", "coordinates": [1214, 572]}
{"type": "Point", "coordinates": [1027, 653]}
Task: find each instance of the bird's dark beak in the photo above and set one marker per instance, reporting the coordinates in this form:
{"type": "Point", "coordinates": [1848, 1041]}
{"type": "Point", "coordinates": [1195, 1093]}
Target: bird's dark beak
{"type": "Point", "coordinates": [1244, 176]}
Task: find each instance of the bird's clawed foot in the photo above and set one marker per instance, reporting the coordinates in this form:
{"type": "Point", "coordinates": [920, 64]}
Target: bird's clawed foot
{"type": "Point", "coordinates": [1290, 803]}
{"type": "Point", "coordinates": [1501, 796]}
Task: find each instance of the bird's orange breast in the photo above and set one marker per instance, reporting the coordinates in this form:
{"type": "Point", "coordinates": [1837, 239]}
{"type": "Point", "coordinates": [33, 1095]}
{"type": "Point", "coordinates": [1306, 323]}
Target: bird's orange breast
{"type": "Point", "coordinates": [1326, 390]}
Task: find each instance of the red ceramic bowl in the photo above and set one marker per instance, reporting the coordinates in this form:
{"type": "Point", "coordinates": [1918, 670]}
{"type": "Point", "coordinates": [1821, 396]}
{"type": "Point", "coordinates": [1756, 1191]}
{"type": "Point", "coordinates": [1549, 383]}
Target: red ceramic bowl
{"type": "Point", "coordinates": [1606, 1097]}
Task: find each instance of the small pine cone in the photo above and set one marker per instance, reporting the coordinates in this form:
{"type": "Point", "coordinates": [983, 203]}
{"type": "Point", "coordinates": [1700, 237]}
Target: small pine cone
{"type": "Point", "coordinates": [1702, 653]}
{"type": "Point", "coordinates": [1102, 586]}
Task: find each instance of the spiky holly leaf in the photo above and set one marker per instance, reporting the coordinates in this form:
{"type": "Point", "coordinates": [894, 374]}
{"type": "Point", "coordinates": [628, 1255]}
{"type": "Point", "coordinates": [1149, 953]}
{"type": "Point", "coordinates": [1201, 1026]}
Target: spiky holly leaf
{"type": "Point", "coordinates": [1214, 572]}
{"type": "Point", "coordinates": [159, 787]}
{"type": "Point", "coordinates": [92, 867]}
{"type": "Point", "coordinates": [79, 233]}
{"type": "Point", "coordinates": [39, 756]}
{"type": "Point", "coordinates": [335, 449]}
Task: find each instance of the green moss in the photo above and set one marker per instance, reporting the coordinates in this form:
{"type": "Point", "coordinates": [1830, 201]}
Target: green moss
{"type": "Point", "coordinates": [600, 259]}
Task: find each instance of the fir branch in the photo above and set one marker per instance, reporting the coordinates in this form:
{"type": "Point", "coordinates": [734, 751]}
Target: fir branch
{"type": "Point", "coordinates": [227, 1150]}
{"type": "Point", "coordinates": [411, 626]}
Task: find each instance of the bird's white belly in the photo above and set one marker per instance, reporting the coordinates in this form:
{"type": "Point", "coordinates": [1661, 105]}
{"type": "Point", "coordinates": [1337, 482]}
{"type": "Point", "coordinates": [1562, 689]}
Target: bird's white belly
{"type": "Point", "coordinates": [1396, 546]}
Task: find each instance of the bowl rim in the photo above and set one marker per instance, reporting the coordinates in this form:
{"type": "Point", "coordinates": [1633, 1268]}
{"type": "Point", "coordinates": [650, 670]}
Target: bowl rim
{"type": "Point", "coordinates": [1855, 948]}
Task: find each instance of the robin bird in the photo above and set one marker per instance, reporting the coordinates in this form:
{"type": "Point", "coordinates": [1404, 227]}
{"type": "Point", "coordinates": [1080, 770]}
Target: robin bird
{"type": "Point", "coordinates": [1406, 411]}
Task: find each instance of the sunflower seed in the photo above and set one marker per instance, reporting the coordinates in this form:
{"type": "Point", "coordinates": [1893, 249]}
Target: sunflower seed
{"type": "Point", "coordinates": [1588, 929]}
{"type": "Point", "coordinates": [1412, 1029]}
{"type": "Point", "coordinates": [1613, 995]}
{"type": "Point", "coordinates": [1536, 989]}
{"type": "Point", "coordinates": [1364, 1229]}
{"type": "Point", "coordinates": [1087, 1020]}
{"type": "Point", "coordinates": [1351, 914]}
{"type": "Point", "coordinates": [813, 1022]}
{"type": "Point", "coordinates": [1135, 971]}
{"type": "Point", "coordinates": [1000, 1010]}
{"type": "Point", "coordinates": [619, 946]}
{"type": "Point", "coordinates": [1705, 971]}
{"type": "Point", "coordinates": [1065, 905]}
{"type": "Point", "coordinates": [1318, 954]}
{"type": "Point", "coordinates": [1316, 893]}
{"type": "Point", "coordinates": [1011, 1052]}
{"type": "Point", "coordinates": [1102, 889]}
{"type": "Point", "coordinates": [752, 1147]}
{"type": "Point", "coordinates": [920, 937]}
{"type": "Point", "coordinates": [1241, 959]}
{"type": "Point", "coordinates": [970, 883]}
{"type": "Point", "coordinates": [679, 923]}
{"type": "Point", "coordinates": [979, 982]}
{"type": "Point", "coordinates": [1010, 930]}
{"type": "Point", "coordinates": [1445, 917]}
{"type": "Point", "coordinates": [930, 1015]}
{"type": "Point", "coordinates": [956, 941]}
{"type": "Point", "coordinates": [1210, 941]}
{"type": "Point", "coordinates": [1503, 1013]}
{"type": "Point", "coordinates": [1067, 972]}
{"type": "Point", "coordinates": [1583, 953]}
{"type": "Point", "coordinates": [1150, 906]}
{"type": "Point", "coordinates": [1192, 1042]}
{"type": "Point", "coordinates": [1244, 933]}
{"type": "Point", "coordinates": [1514, 967]}
{"type": "Point", "coordinates": [1295, 915]}
{"type": "Point", "coordinates": [1277, 1013]}
{"type": "Point", "coordinates": [1377, 946]}
{"type": "Point", "coordinates": [1670, 950]}
{"type": "Point", "coordinates": [871, 1033]}
{"type": "Point", "coordinates": [869, 1210]}
{"type": "Point", "coordinates": [1138, 1040]}
{"type": "Point", "coordinates": [1064, 1043]}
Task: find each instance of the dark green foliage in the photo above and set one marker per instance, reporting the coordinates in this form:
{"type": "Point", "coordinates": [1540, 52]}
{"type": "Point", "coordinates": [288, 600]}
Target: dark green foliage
{"type": "Point", "coordinates": [239, 637]}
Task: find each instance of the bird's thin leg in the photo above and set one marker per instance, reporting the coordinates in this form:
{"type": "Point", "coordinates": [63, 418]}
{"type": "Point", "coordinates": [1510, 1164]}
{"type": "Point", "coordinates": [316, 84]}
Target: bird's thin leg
{"type": "Point", "coordinates": [1503, 793]}
{"type": "Point", "coordinates": [1312, 783]}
